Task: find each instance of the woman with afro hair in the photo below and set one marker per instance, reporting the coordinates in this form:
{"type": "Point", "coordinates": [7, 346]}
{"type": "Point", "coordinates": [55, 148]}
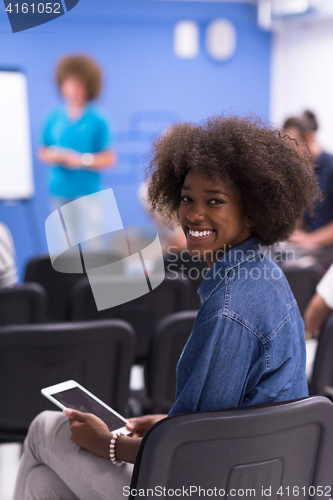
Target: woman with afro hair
{"type": "Point", "coordinates": [232, 184]}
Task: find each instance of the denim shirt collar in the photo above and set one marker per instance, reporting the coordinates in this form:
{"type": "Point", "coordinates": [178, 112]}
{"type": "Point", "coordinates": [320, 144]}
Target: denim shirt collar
{"type": "Point", "coordinates": [243, 252]}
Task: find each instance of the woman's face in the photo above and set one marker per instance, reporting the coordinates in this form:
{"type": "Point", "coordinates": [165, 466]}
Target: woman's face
{"type": "Point", "coordinates": [74, 91]}
{"type": "Point", "coordinates": [211, 217]}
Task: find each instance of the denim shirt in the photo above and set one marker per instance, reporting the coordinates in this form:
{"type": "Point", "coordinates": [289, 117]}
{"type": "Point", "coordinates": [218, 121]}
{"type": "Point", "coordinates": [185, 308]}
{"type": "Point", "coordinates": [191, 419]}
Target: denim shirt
{"type": "Point", "coordinates": [247, 345]}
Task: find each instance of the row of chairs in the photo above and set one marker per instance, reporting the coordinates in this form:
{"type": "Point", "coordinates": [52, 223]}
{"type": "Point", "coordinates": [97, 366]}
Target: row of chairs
{"type": "Point", "coordinates": [27, 304]}
{"type": "Point", "coordinates": [70, 297]}
{"type": "Point", "coordinates": [97, 354]}
{"type": "Point", "coordinates": [62, 288]}
{"type": "Point", "coordinates": [241, 447]}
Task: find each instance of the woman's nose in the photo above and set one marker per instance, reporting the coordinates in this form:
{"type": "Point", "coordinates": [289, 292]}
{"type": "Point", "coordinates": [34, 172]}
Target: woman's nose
{"type": "Point", "coordinates": [196, 213]}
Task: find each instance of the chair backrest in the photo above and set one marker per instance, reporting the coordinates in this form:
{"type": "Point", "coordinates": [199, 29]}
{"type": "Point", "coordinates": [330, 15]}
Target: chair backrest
{"type": "Point", "coordinates": [98, 355]}
{"type": "Point", "coordinates": [59, 285]}
{"type": "Point", "coordinates": [167, 345]}
{"type": "Point", "coordinates": [23, 304]}
{"type": "Point", "coordinates": [143, 313]}
{"type": "Point", "coordinates": [322, 373]}
{"type": "Point", "coordinates": [284, 449]}
{"type": "Point", "coordinates": [303, 282]}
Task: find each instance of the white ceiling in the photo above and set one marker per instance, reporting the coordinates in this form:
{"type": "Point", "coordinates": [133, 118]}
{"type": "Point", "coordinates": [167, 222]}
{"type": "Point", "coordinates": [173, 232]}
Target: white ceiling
{"type": "Point", "coordinates": [273, 14]}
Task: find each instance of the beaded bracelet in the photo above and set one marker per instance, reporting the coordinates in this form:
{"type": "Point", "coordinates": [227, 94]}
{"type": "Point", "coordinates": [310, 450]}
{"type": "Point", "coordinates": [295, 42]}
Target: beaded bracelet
{"type": "Point", "coordinates": [113, 442]}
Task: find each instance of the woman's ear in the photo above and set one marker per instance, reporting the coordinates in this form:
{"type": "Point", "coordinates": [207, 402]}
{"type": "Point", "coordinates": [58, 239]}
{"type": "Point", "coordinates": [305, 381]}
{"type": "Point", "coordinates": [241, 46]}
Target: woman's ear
{"type": "Point", "coordinates": [249, 222]}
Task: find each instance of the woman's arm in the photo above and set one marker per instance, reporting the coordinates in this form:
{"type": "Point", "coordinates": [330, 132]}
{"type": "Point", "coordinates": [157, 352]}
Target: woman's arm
{"type": "Point", "coordinates": [315, 314]}
{"type": "Point", "coordinates": [50, 154]}
{"type": "Point", "coordinates": [104, 159]}
{"type": "Point", "coordinates": [321, 304]}
{"type": "Point", "coordinates": [320, 237]}
{"type": "Point", "coordinates": [91, 433]}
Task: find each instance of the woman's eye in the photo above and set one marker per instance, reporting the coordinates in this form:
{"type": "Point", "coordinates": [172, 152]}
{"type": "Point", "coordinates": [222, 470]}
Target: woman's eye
{"type": "Point", "coordinates": [215, 201]}
{"type": "Point", "coordinates": [185, 198]}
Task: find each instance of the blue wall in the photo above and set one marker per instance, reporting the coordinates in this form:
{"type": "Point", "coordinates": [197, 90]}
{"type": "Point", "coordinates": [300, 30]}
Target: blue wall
{"type": "Point", "coordinates": [146, 85]}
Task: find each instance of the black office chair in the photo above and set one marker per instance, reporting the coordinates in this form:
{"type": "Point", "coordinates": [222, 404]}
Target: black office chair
{"type": "Point", "coordinates": [272, 451]}
{"type": "Point", "coordinates": [59, 285]}
{"type": "Point", "coordinates": [303, 282]}
{"type": "Point", "coordinates": [143, 313]}
{"type": "Point", "coordinates": [321, 382]}
{"type": "Point", "coordinates": [167, 345]}
{"type": "Point", "coordinates": [24, 304]}
{"type": "Point", "coordinates": [98, 355]}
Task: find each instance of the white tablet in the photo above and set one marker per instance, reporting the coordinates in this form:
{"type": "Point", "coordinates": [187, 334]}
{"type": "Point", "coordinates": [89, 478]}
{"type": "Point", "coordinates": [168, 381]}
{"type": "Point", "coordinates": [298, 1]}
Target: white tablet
{"type": "Point", "coordinates": [70, 394]}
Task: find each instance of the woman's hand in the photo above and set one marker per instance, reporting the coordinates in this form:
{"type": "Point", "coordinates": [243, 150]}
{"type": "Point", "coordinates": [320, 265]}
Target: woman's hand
{"type": "Point", "coordinates": [140, 425]}
{"type": "Point", "coordinates": [72, 160]}
{"type": "Point", "coordinates": [92, 434]}
{"type": "Point", "coordinates": [61, 156]}
{"type": "Point", "coordinates": [89, 432]}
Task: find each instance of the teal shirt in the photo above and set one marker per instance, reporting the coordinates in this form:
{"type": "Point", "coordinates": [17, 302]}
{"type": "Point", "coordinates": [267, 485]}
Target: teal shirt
{"type": "Point", "coordinates": [90, 134]}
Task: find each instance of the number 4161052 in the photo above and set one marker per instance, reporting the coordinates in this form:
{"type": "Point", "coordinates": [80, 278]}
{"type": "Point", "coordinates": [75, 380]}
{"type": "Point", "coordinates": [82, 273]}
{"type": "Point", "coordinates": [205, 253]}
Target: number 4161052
{"type": "Point", "coordinates": [40, 8]}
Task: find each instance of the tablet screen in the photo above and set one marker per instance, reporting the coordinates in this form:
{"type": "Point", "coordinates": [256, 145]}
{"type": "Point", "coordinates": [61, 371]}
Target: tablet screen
{"type": "Point", "coordinates": [79, 400]}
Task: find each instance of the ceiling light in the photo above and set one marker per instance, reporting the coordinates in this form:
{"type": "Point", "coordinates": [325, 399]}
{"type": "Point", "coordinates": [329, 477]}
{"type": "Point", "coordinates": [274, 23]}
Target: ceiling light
{"type": "Point", "coordinates": [289, 7]}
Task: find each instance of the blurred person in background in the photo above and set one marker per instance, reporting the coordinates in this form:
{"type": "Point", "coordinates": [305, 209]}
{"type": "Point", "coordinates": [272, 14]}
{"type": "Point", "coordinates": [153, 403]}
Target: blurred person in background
{"type": "Point", "coordinates": [321, 304]}
{"type": "Point", "coordinates": [77, 141]}
{"type": "Point", "coordinates": [8, 269]}
{"type": "Point", "coordinates": [315, 315]}
{"type": "Point", "coordinates": [317, 229]}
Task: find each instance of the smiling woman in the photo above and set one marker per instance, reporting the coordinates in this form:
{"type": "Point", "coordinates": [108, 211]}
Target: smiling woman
{"type": "Point", "coordinates": [231, 183]}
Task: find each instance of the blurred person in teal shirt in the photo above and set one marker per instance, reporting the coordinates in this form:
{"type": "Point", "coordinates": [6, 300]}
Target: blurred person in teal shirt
{"type": "Point", "coordinates": [77, 141]}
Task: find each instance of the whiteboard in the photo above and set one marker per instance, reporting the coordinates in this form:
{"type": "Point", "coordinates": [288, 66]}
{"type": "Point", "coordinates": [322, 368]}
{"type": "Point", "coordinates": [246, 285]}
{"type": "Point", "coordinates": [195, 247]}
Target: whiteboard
{"type": "Point", "coordinates": [16, 171]}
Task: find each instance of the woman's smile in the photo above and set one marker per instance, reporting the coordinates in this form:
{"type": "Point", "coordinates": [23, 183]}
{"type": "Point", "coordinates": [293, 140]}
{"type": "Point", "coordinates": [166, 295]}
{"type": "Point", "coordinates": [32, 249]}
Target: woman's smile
{"type": "Point", "coordinates": [199, 233]}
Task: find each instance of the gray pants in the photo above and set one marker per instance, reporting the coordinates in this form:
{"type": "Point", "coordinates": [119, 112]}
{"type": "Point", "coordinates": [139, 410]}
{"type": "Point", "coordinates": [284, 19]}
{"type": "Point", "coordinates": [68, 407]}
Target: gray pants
{"type": "Point", "coordinates": [54, 468]}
